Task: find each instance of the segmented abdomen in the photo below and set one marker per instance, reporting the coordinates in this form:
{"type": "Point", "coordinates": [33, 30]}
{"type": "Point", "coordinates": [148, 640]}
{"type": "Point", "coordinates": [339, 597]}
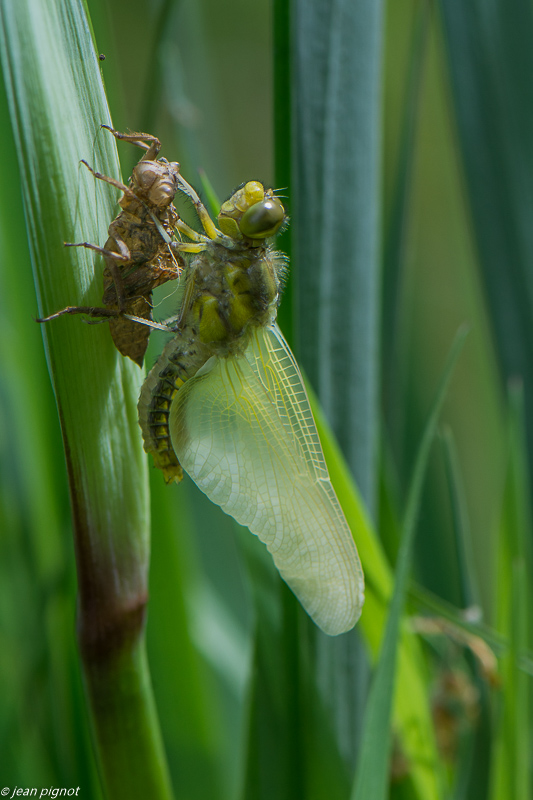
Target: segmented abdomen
{"type": "Point", "coordinates": [180, 360]}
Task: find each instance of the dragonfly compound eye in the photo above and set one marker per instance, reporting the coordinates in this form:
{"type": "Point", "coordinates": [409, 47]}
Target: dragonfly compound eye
{"type": "Point", "coordinates": [263, 219]}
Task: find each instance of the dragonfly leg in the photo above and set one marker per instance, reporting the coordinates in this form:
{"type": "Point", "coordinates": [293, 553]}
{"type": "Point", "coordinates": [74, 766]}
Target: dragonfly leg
{"type": "Point", "coordinates": [189, 247]}
{"type": "Point", "coordinates": [124, 254]}
{"type": "Point", "coordinates": [189, 232]}
{"type": "Point", "coordinates": [111, 259]}
{"type": "Point", "coordinates": [107, 179]}
{"type": "Point", "coordinates": [91, 311]}
{"type": "Point", "coordinates": [207, 223]}
{"type": "Point", "coordinates": [146, 141]}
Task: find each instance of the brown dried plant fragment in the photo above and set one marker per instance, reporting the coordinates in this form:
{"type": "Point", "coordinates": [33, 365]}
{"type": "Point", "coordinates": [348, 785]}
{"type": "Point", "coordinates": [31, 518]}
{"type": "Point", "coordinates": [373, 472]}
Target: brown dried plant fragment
{"type": "Point", "coordinates": [137, 254]}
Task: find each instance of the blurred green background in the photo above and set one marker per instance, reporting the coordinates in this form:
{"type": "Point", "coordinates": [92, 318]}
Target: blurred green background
{"type": "Point", "coordinates": [452, 197]}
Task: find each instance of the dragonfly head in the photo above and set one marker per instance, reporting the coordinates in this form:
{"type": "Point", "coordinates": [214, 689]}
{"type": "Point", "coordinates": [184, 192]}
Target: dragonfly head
{"type": "Point", "coordinates": [252, 212]}
{"type": "Point", "coordinates": [155, 182]}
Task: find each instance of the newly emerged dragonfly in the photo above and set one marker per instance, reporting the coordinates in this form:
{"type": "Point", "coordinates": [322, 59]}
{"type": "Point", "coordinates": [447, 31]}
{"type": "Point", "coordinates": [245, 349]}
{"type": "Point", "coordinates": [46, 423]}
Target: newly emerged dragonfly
{"type": "Point", "coordinates": [137, 254]}
{"type": "Point", "coordinates": [226, 402]}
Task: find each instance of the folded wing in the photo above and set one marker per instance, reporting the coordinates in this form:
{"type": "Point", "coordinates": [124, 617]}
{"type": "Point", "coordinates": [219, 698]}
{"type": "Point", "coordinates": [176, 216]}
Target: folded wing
{"type": "Point", "coordinates": [243, 430]}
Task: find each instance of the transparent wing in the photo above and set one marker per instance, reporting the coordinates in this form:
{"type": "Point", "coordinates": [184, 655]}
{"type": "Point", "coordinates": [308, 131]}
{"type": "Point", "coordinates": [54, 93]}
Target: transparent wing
{"type": "Point", "coordinates": [243, 430]}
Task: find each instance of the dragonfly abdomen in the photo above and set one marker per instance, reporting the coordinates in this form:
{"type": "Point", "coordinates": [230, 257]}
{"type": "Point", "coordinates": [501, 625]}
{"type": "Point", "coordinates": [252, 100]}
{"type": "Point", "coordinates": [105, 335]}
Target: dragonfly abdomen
{"type": "Point", "coordinates": [179, 361]}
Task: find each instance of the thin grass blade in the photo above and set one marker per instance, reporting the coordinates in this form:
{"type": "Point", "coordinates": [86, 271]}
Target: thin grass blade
{"type": "Point", "coordinates": [511, 767]}
{"type": "Point", "coordinates": [411, 715]}
{"type": "Point", "coordinates": [371, 779]}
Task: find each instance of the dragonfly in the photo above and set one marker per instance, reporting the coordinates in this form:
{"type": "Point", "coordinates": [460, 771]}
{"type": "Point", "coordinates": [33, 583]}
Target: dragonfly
{"type": "Point", "coordinates": [226, 402]}
{"type": "Point", "coordinates": [137, 254]}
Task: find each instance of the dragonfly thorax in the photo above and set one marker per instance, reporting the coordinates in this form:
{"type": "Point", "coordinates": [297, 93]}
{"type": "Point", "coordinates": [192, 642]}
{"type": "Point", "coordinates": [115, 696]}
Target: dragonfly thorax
{"type": "Point", "coordinates": [232, 291]}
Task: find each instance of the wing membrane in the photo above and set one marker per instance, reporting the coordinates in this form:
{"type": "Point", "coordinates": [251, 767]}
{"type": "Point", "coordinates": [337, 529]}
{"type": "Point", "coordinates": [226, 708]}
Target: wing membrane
{"type": "Point", "coordinates": [243, 430]}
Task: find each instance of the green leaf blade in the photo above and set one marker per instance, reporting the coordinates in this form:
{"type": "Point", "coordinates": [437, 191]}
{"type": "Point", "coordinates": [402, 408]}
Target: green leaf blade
{"type": "Point", "coordinates": [371, 779]}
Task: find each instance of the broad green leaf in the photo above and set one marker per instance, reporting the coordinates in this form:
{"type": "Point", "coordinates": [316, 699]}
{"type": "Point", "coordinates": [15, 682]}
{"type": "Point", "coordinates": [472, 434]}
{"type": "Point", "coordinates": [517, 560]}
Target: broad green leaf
{"type": "Point", "coordinates": [57, 103]}
{"type": "Point", "coordinates": [490, 62]}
